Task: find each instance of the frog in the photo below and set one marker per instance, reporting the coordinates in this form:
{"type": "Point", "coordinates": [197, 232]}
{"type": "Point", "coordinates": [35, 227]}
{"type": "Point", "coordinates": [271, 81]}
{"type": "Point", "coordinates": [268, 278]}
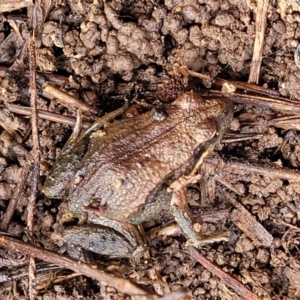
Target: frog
{"type": "Point", "coordinates": [120, 173]}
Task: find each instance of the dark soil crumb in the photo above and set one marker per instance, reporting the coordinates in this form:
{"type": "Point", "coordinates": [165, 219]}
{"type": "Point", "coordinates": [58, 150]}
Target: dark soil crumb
{"type": "Point", "coordinates": [106, 51]}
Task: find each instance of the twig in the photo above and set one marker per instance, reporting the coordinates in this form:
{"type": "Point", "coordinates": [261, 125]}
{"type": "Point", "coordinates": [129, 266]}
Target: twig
{"type": "Point", "coordinates": [272, 171]}
{"type": "Point", "coordinates": [278, 104]}
{"type": "Point", "coordinates": [231, 282]}
{"type": "Point", "coordinates": [9, 5]}
{"type": "Point", "coordinates": [286, 122]}
{"type": "Point", "coordinates": [50, 92]}
{"type": "Point", "coordinates": [43, 114]}
{"type": "Point", "coordinates": [35, 135]}
{"type": "Point", "coordinates": [281, 222]}
{"type": "Point", "coordinates": [36, 159]}
{"type": "Point", "coordinates": [123, 285]}
{"type": "Point", "coordinates": [55, 79]}
{"type": "Point", "coordinates": [89, 270]}
{"type": "Point", "coordinates": [15, 197]}
{"type": "Point", "coordinates": [249, 87]}
{"type": "Point", "coordinates": [261, 22]}
{"type": "Point", "coordinates": [14, 274]}
{"type": "Point", "coordinates": [239, 137]}
{"type": "Point", "coordinates": [248, 224]}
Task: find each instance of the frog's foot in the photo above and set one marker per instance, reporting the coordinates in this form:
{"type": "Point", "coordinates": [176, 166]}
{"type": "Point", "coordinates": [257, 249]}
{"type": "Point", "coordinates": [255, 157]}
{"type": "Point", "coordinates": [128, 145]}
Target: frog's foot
{"type": "Point", "coordinates": [182, 216]}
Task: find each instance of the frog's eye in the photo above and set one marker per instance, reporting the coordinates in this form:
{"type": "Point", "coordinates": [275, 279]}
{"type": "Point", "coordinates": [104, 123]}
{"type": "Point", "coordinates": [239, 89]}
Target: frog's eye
{"type": "Point", "coordinates": [158, 114]}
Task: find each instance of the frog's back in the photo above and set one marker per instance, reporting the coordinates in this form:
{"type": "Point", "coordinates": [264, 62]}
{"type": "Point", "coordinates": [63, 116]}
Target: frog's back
{"type": "Point", "coordinates": [123, 169]}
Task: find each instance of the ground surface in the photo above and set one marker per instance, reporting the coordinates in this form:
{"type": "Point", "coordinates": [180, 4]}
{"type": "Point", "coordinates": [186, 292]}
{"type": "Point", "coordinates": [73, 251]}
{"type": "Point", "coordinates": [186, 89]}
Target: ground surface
{"type": "Point", "coordinates": [100, 52]}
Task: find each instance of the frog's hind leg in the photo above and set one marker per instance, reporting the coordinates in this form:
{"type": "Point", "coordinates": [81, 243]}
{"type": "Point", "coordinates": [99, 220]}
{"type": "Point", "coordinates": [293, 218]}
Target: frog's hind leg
{"type": "Point", "coordinates": [129, 232]}
{"type": "Point", "coordinates": [98, 239]}
{"type": "Point", "coordinates": [182, 216]}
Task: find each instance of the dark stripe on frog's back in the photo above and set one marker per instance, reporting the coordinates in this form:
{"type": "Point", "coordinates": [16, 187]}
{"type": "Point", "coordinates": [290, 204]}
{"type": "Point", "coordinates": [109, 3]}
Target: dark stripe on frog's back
{"type": "Point", "coordinates": [117, 163]}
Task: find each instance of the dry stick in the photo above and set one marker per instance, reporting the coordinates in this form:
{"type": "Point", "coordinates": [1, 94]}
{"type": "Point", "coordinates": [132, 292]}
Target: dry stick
{"type": "Point", "coordinates": [122, 285]}
{"type": "Point", "coordinates": [233, 138]}
{"type": "Point", "coordinates": [36, 159]}
{"type": "Point", "coordinates": [231, 282]}
{"type": "Point", "coordinates": [11, 275]}
{"type": "Point", "coordinates": [261, 22]}
{"type": "Point", "coordinates": [65, 99]}
{"type": "Point", "coordinates": [278, 104]}
{"type": "Point", "coordinates": [248, 224]}
{"type": "Point", "coordinates": [15, 197]}
{"type": "Point", "coordinates": [43, 114]}
{"type": "Point", "coordinates": [249, 87]}
{"type": "Point", "coordinates": [272, 171]}
{"type": "Point", "coordinates": [9, 5]}
{"type": "Point", "coordinates": [286, 122]}
{"type": "Point", "coordinates": [51, 92]}
{"type": "Point", "coordinates": [55, 79]}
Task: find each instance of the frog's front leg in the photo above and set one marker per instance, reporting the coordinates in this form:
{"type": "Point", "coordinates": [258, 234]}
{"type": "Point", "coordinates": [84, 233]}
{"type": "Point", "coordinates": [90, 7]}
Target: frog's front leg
{"type": "Point", "coordinates": [182, 216]}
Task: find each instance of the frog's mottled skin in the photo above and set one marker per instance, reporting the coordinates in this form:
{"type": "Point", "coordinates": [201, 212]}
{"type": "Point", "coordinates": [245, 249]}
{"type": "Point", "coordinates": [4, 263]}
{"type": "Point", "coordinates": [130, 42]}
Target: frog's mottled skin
{"type": "Point", "coordinates": [124, 173]}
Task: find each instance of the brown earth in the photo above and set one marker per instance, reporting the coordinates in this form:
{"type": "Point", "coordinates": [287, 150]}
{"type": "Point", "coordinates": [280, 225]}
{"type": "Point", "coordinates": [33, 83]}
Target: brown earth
{"type": "Point", "coordinates": [103, 52]}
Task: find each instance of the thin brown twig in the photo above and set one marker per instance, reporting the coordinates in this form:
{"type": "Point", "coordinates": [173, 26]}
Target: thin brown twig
{"type": "Point", "coordinates": [261, 23]}
{"type": "Point", "coordinates": [9, 5]}
{"type": "Point", "coordinates": [246, 86]}
{"type": "Point", "coordinates": [15, 197]}
{"type": "Point", "coordinates": [55, 79]}
{"type": "Point", "coordinates": [121, 284]}
{"type": "Point", "coordinates": [50, 92]}
{"type": "Point", "coordinates": [231, 282]}
{"type": "Point", "coordinates": [36, 160]}
{"type": "Point", "coordinates": [89, 270]}
{"type": "Point", "coordinates": [243, 168]}
{"type": "Point", "coordinates": [278, 104]}
{"type": "Point", "coordinates": [43, 114]}
{"type": "Point", "coordinates": [233, 138]}
{"type": "Point", "coordinates": [35, 135]}
{"type": "Point", "coordinates": [245, 221]}
{"type": "Point", "coordinates": [249, 87]}
{"type": "Point", "coordinates": [286, 122]}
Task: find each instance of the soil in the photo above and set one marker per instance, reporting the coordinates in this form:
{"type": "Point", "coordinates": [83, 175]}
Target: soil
{"type": "Point", "coordinates": [104, 52]}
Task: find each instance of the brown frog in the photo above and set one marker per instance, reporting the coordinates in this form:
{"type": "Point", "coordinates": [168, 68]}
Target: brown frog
{"type": "Point", "coordinates": [121, 175]}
